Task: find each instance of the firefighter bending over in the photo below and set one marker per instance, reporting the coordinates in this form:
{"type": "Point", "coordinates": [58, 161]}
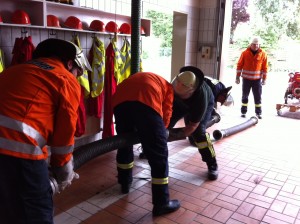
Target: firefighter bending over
{"type": "Point", "coordinates": [39, 102]}
{"type": "Point", "coordinates": [143, 103]}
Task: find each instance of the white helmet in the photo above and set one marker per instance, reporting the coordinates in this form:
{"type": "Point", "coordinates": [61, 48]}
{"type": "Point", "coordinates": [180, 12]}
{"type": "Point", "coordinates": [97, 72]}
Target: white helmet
{"type": "Point", "coordinates": [229, 101]}
{"type": "Point", "coordinates": [185, 84]}
{"type": "Point", "coordinates": [255, 40]}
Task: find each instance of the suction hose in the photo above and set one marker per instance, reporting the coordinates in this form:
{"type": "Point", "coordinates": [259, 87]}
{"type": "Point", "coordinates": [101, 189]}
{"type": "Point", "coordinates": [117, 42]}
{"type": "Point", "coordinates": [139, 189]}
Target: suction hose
{"type": "Point", "coordinates": [219, 134]}
{"type": "Point", "coordinates": [215, 119]}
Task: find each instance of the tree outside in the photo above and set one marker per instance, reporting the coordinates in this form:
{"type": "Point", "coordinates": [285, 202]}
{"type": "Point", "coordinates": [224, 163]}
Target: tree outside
{"type": "Point", "coordinates": [277, 22]}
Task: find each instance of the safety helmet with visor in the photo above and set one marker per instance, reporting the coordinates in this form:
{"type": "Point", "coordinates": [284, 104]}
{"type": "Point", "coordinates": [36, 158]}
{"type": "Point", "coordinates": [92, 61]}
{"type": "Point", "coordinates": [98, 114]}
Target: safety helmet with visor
{"type": "Point", "coordinates": [184, 84]}
{"type": "Point", "coordinates": [64, 50]}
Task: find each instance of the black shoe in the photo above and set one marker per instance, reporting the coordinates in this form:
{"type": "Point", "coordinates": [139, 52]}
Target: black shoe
{"type": "Point", "coordinates": [212, 172]}
{"type": "Point", "coordinates": [259, 116]}
{"type": "Point", "coordinates": [125, 188]}
{"type": "Point", "coordinates": [172, 206]}
{"type": "Point", "coordinates": [243, 115]}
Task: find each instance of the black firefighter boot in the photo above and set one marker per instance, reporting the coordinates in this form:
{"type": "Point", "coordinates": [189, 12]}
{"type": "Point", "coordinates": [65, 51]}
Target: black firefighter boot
{"type": "Point", "coordinates": [125, 179]}
{"type": "Point", "coordinates": [212, 169]}
{"type": "Point", "coordinates": [161, 202]}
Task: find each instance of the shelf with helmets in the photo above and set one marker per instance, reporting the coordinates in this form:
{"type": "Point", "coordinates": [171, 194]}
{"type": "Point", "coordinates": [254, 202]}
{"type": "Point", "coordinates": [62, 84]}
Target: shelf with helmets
{"type": "Point", "coordinates": [58, 16]}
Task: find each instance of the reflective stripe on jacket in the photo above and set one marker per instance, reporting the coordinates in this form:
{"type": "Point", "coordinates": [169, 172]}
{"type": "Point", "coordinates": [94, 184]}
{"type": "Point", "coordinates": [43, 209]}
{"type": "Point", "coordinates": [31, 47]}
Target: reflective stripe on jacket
{"type": "Point", "coordinates": [38, 107]}
{"type": "Point", "coordinates": [2, 67]}
{"type": "Point", "coordinates": [252, 66]}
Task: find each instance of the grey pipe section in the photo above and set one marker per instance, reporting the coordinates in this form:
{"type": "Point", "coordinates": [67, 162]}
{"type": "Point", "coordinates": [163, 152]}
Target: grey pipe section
{"type": "Point", "coordinates": [219, 134]}
{"type": "Point", "coordinates": [135, 35]}
{"type": "Point", "coordinates": [215, 119]}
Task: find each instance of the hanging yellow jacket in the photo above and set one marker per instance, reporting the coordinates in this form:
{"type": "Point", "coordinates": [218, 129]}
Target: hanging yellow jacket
{"type": "Point", "coordinates": [118, 62]}
{"type": "Point", "coordinates": [2, 67]}
{"type": "Point", "coordinates": [126, 58]}
{"type": "Point", "coordinates": [83, 79]}
{"type": "Point", "coordinates": [252, 67]}
{"type": "Point", "coordinates": [98, 67]}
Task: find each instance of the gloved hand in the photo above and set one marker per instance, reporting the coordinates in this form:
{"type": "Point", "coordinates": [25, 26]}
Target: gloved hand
{"type": "Point", "coordinates": [64, 175]}
{"type": "Point", "coordinates": [263, 82]}
{"type": "Point", "coordinates": [237, 80]}
{"type": "Point", "coordinates": [176, 134]}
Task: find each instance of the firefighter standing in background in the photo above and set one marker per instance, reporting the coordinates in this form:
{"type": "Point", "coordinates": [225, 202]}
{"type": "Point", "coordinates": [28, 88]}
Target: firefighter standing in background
{"type": "Point", "coordinates": [194, 101]}
{"type": "Point", "coordinates": [143, 103]}
{"type": "Point", "coordinates": [252, 67]}
{"type": "Point", "coordinates": [38, 109]}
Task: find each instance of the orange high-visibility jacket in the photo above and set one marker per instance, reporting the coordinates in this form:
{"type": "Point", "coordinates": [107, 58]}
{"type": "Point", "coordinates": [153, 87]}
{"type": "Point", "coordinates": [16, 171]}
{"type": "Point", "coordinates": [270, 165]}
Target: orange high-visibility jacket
{"type": "Point", "coordinates": [39, 102]}
{"type": "Point", "coordinates": [253, 67]}
{"type": "Point", "coordinates": [147, 88]}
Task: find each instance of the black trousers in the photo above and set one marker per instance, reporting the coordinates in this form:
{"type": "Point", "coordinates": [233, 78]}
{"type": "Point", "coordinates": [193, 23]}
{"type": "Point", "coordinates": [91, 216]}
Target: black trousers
{"type": "Point", "coordinates": [256, 87]}
{"type": "Point", "coordinates": [136, 116]}
{"type": "Point", "coordinates": [25, 191]}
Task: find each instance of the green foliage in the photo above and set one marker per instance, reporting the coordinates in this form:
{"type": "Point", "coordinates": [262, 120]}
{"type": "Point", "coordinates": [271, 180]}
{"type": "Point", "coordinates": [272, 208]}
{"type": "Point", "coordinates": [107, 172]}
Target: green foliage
{"type": "Point", "coordinates": [162, 26]}
{"type": "Point", "coordinates": [239, 15]}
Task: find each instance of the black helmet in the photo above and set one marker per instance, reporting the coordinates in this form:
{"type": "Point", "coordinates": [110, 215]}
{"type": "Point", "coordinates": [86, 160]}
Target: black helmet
{"type": "Point", "coordinates": [62, 49]}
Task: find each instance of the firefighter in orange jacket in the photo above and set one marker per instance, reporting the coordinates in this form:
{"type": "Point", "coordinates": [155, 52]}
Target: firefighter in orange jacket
{"type": "Point", "coordinates": [143, 103]}
{"type": "Point", "coordinates": [253, 67]}
{"type": "Point", "coordinates": [39, 102]}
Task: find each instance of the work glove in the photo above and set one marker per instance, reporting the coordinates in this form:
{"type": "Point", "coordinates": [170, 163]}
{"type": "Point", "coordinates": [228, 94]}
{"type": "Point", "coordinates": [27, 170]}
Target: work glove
{"type": "Point", "coordinates": [176, 134]}
{"type": "Point", "coordinates": [263, 82]}
{"type": "Point", "coordinates": [237, 80]}
{"type": "Point", "coordinates": [64, 175]}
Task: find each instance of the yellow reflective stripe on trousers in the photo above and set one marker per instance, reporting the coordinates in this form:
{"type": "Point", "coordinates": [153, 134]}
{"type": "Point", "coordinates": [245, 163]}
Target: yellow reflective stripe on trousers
{"type": "Point", "coordinates": [22, 127]}
{"type": "Point", "coordinates": [159, 181]}
{"type": "Point", "coordinates": [206, 144]}
{"type": "Point", "coordinates": [125, 166]}
{"type": "Point", "coordinates": [257, 105]}
{"type": "Point", "coordinates": [244, 104]}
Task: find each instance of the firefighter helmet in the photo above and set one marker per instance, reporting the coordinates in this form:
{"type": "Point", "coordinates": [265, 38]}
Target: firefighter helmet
{"type": "Point", "coordinates": [97, 25]}
{"type": "Point", "coordinates": [125, 28]}
{"type": "Point", "coordinates": [20, 17]}
{"type": "Point", "coordinates": [64, 50]}
{"type": "Point", "coordinates": [229, 101]}
{"type": "Point", "coordinates": [1, 21]}
{"type": "Point", "coordinates": [52, 21]}
{"type": "Point", "coordinates": [185, 84]}
{"type": "Point", "coordinates": [112, 27]}
{"type": "Point", "coordinates": [199, 74]}
{"type": "Point", "coordinates": [73, 23]}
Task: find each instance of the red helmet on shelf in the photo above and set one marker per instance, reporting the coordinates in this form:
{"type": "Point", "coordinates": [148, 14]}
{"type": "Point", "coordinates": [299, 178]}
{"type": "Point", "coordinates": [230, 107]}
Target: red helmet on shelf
{"type": "Point", "coordinates": [112, 27]}
{"type": "Point", "coordinates": [97, 25]}
{"type": "Point", "coordinates": [125, 28]}
{"type": "Point", "coordinates": [143, 30]}
{"type": "Point", "coordinates": [73, 23]}
{"type": "Point", "coordinates": [52, 21]}
{"type": "Point", "coordinates": [20, 17]}
{"type": "Point", "coordinates": [1, 21]}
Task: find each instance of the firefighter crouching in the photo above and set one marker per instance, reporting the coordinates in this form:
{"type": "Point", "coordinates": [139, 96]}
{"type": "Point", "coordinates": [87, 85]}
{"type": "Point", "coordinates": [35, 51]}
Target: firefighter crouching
{"type": "Point", "coordinates": [143, 103]}
{"type": "Point", "coordinates": [39, 102]}
{"type": "Point", "coordinates": [194, 101]}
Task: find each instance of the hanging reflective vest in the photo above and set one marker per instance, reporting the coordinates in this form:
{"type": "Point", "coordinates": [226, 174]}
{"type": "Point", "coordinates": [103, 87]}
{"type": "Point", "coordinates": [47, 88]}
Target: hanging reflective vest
{"type": "Point", "coordinates": [83, 79]}
{"type": "Point", "coordinates": [118, 62]}
{"type": "Point", "coordinates": [126, 58]}
{"type": "Point", "coordinates": [98, 68]}
{"type": "Point", "coordinates": [2, 67]}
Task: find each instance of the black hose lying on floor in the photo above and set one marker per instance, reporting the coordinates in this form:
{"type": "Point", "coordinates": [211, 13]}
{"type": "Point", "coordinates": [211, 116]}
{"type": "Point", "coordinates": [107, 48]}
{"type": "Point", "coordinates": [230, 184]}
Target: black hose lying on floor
{"type": "Point", "coordinates": [89, 151]}
{"type": "Point", "coordinates": [219, 134]}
